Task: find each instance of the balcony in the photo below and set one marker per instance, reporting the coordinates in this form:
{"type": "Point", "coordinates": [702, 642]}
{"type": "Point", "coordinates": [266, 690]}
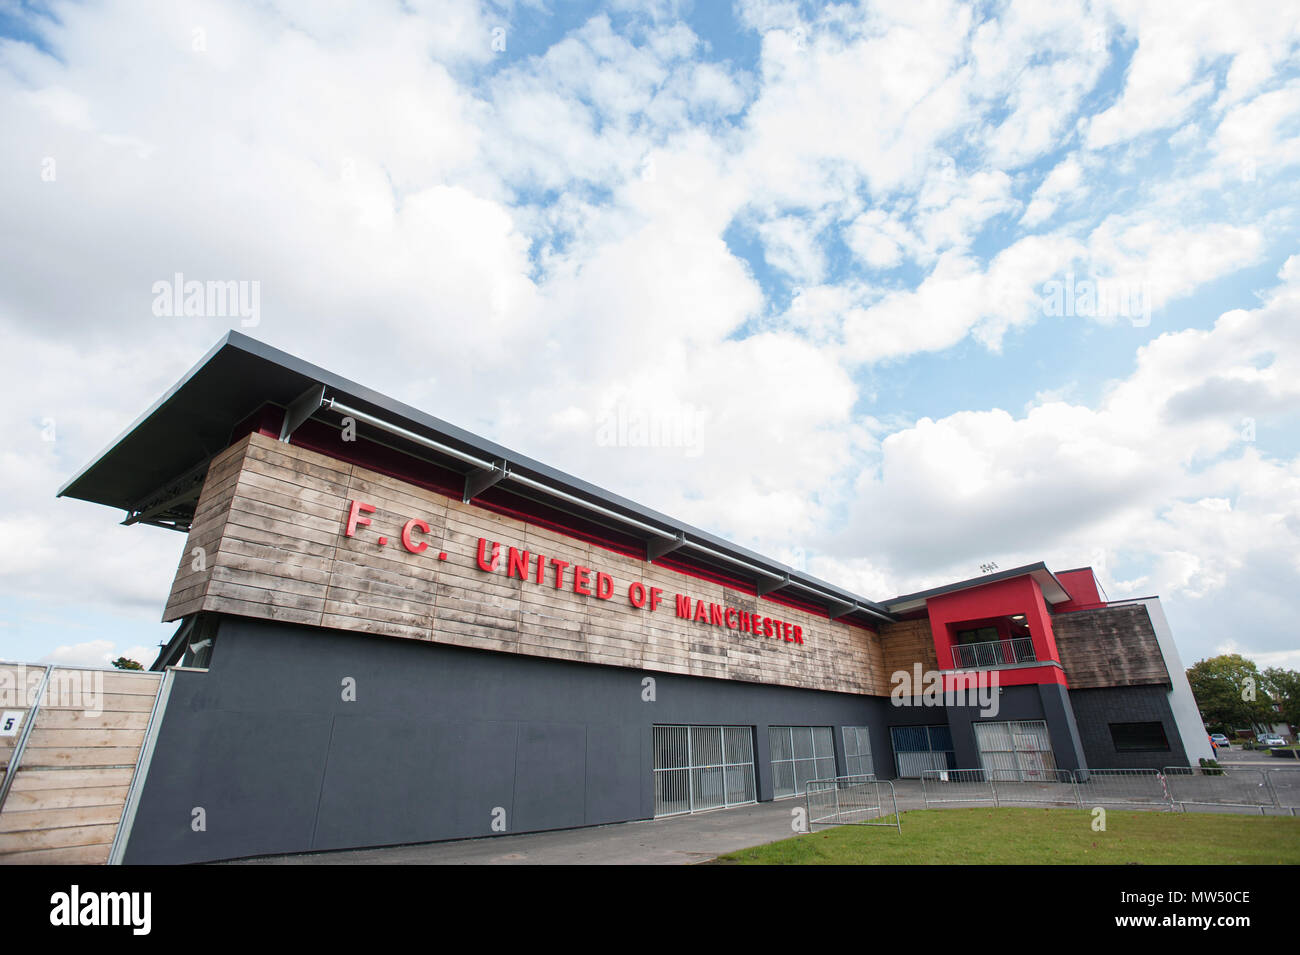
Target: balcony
{"type": "Point", "coordinates": [993, 653]}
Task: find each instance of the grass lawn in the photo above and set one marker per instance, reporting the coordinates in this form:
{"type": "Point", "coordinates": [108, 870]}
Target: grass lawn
{"type": "Point", "coordinates": [987, 836]}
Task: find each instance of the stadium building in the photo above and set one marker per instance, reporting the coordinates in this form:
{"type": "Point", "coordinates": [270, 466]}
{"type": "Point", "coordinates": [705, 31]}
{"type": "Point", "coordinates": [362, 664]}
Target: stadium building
{"type": "Point", "coordinates": [391, 631]}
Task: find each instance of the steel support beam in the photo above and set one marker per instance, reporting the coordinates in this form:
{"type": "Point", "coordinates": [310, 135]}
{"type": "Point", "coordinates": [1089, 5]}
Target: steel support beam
{"type": "Point", "coordinates": [837, 610]}
{"type": "Point", "coordinates": [767, 586]}
{"type": "Point", "coordinates": [300, 409]}
{"type": "Point", "coordinates": [657, 547]}
{"type": "Point", "coordinates": [476, 482]}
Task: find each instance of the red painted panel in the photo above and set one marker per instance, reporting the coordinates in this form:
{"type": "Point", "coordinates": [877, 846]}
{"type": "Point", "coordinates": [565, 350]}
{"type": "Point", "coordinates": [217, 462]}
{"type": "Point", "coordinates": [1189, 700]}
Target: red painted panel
{"type": "Point", "coordinates": [1003, 598]}
{"type": "Point", "coordinates": [1082, 587]}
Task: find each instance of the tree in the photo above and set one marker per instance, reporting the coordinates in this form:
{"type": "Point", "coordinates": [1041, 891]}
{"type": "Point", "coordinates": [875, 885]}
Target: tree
{"type": "Point", "coordinates": [122, 663]}
{"type": "Point", "coordinates": [1284, 688]}
{"type": "Point", "coordinates": [1230, 692]}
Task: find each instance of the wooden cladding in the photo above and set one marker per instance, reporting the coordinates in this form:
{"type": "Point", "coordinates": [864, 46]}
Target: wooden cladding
{"type": "Point", "coordinates": [1110, 646]}
{"type": "Point", "coordinates": [70, 783]}
{"type": "Point", "coordinates": [268, 540]}
{"type": "Point", "coordinates": [908, 642]}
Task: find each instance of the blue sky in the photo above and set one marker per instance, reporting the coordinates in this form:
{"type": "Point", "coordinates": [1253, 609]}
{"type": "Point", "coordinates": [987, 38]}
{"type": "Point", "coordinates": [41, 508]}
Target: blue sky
{"type": "Point", "coordinates": [820, 241]}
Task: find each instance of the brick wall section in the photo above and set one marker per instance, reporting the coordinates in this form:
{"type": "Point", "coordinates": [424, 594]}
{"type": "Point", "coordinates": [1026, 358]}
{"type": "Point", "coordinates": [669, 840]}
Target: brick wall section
{"type": "Point", "coordinates": [1111, 646]}
{"type": "Point", "coordinates": [1095, 710]}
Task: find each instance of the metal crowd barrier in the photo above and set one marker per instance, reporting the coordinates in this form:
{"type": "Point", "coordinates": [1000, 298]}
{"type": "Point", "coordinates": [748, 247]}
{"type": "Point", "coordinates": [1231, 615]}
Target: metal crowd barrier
{"type": "Point", "coordinates": [1226, 786]}
{"type": "Point", "coordinates": [851, 800]}
{"type": "Point", "coordinates": [1174, 787]}
{"type": "Point", "coordinates": [1037, 787]}
{"type": "Point", "coordinates": [940, 786]}
{"type": "Point", "coordinates": [1136, 788]}
{"type": "Point", "coordinates": [1285, 784]}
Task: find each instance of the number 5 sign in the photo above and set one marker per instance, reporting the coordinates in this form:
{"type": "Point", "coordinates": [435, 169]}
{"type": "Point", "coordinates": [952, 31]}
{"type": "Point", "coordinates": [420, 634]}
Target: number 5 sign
{"type": "Point", "coordinates": [10, 721]}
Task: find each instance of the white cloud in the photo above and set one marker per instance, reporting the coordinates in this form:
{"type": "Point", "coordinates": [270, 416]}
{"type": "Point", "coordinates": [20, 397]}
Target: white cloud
{"type": "Point", "coordinates": [98, 653]}
{"type": "Point", "coordinates": [521, 243]}
{"type": "Point", "coordinates": [1176, 46]}
{"type": "Point", "coordinates": [1062, 184]}
{"type": "Point", "coordinates": [1162, 474]}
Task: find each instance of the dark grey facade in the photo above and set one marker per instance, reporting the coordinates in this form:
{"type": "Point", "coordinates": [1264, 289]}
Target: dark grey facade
{"type": "Point", "coordinates": [440, 737]}
{"type": "Point", "coordinates": [1095, 710]}
{"type": "Point", "coordinates": [437, 739]}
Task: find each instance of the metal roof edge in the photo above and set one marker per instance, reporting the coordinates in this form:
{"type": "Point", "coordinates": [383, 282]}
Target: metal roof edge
{"type": "Point", "coordinates": [423, 421]}
{"type": "Point", "coordinates": [212, 352]}
{"type": "Point", "coordinates": [923, 595]}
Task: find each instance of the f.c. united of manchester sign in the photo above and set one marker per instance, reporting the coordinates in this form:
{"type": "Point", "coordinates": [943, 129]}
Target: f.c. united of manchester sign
{"type": "Point", "coordinates": [543, 571]}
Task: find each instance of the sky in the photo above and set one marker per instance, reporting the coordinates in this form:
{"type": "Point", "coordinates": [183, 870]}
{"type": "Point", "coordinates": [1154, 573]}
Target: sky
{"type": "Point", "coordinates": [885, 291]}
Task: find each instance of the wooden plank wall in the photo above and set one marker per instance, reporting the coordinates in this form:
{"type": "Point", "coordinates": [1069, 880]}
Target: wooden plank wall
{"type": "Point", "coordinates": [1110, 646]}
{"type": "Point", "coordinates": [908, 642]}
{"type": "Point", "coordinates": [18, 685]}
{"type": "Point", "coordinates": [271, 520]}
{"type": "Point", "coordinates": [71, 783]}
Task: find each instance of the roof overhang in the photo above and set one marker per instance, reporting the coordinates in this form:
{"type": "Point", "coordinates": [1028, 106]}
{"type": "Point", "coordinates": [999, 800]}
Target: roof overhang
{"type": "Point", "coordinates": [154, 469]}
{"type": "Point", "coordinates": [1054, 591]}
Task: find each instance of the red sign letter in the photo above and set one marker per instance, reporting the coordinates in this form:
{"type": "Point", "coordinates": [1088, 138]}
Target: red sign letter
{"type": "Point", "coordinates": [482, 553]}
{"type": "Point", "coordinates": [410, 545]}
{"type": "Point", "coordinates": [354, 519]}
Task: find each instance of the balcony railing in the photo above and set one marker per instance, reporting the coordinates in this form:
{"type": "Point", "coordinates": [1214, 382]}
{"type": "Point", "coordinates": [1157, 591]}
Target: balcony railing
{"type": "Point", "coordinates": [993, 653]}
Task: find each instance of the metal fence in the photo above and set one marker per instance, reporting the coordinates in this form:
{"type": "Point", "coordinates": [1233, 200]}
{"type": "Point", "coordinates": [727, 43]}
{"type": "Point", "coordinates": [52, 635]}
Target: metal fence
{"type": "Point", "coordinates": [999, 787]}
{"type": "Point", "coordinates": [1042, 787]}
{"type": "Point", "coordinates": [1134, 788]}
{"type": "Point", "coordinates": [968, 786]}
{"type": "Point", "coordinates": [1167, 789]}
{"type": "Point", "coordinates": [992, 653]}
{"type": "Point", "coordinates": [852, 800]}
{"type": "Point", "coordinates": [1285, 784]}
{"type": "Point", "coordinates": [1219, 786]}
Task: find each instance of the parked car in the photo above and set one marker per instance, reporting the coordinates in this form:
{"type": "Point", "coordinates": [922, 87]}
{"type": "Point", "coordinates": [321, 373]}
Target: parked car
{"type": "Point", "coordinates": [1270, 739]}
{"type": "Point", "coordinates": [1218, 739]}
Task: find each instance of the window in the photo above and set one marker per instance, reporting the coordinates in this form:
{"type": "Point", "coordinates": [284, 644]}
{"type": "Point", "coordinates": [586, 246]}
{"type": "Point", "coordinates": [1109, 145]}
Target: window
{"type": "Point", "coordinates": [978, 635]}
{"type": "Point", "coordinates": [1139, 737]}
{"type": "Point", "coordinates": [800, 753]}
{"type": "Point", "coordinates": [857, 751]}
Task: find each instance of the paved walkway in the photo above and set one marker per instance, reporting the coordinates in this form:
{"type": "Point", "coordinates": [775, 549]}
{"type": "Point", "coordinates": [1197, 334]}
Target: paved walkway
{"type": "Point", "coordinates": [679, 840]}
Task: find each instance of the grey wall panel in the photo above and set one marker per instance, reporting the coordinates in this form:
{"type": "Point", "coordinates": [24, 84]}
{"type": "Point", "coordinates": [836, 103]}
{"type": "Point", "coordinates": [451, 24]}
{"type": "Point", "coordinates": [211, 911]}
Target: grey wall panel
{"type": "Point", "coordinates": [550, 777]}
{"type": "Point", "coordinates": [614, 755]}
{"type": "Point", "coordinates": [1096, 709]}
{"type": "Point", "coordinates": [1061, 724]}
{"type": "Point", "coordinates": [404, 779]}
{"type": "Point", "coordinates": [437, 737]}
{"type": "Point", "coordinates": [258, 790]}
